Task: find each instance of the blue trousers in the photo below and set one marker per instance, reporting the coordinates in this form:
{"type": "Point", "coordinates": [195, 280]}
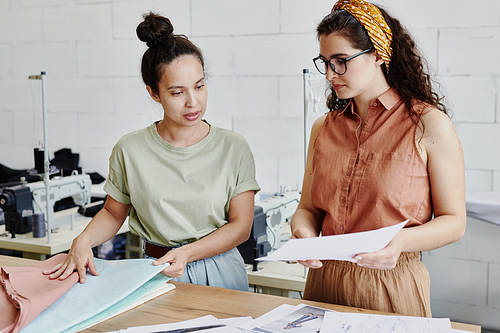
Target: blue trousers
{"type": "Point", "coordinates": [226, 270]}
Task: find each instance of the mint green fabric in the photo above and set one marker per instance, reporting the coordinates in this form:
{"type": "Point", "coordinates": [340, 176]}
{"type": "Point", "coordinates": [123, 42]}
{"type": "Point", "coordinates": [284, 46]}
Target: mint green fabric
{"type": "Point", "coordinates": [179, 195]}
{"type": "Point", "coordinates": [119, 284]}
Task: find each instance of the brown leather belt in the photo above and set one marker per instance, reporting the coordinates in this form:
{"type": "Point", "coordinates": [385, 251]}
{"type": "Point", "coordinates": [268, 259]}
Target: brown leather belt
{"type": "Point", "coordinates": [156, 251]}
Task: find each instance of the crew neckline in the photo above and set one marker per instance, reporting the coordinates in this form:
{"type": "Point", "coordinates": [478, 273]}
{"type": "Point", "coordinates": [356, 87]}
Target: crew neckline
{"type": "Point", "coordinates": [196, 146]}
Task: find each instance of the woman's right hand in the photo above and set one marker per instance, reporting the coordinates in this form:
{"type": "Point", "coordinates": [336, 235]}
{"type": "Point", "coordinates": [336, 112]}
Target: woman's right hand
{"type": "Point", "coordinates": [305, 233]}
{"type": "Point", "coordinates": [103, 226]}
{"type": "Point", "coordinates": [80, 258]}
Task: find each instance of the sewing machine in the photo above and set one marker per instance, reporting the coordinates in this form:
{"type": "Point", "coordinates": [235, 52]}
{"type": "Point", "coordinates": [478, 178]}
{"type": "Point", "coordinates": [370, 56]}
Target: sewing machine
{"type": "Point", "coordinates": [270, 215]}
{"type": "Point", "coordinates": [19, 203]}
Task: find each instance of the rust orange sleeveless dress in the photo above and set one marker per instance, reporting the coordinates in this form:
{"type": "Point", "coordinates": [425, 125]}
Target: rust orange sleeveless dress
{"type": "Point", "coordinates": [366, 183]}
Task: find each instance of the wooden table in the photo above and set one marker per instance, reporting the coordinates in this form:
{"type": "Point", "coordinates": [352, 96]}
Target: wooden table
{"type": "Point", "coordinates": [190, 301]}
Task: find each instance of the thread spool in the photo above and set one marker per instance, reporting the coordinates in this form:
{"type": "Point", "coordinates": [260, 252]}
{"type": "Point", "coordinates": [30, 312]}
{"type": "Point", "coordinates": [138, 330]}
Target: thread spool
{"type": "Point", "coordinates": [39, 229]}
{"type": "Point", "coordinates": [39, 160]}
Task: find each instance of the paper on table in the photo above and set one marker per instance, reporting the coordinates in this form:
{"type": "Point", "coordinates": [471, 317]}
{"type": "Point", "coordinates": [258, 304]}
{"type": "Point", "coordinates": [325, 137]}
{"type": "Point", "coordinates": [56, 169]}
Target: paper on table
{"type": "Point", "coordinates": [302, 318]}
{"type": "Point", "coordinates": [267, 317]}
{"type": "Point", "coordinates": [365, 322]}
{"type": "Point", "coordinates": [205, 320]}
{"type": "Point", "coordinates": [337, 247]}
{"type": "Point", "coordinates": [230, 325]}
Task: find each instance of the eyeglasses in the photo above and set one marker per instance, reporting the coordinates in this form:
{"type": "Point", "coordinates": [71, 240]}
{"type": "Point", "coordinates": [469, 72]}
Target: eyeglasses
{"type": "Point", "coordinates": [338, 65]}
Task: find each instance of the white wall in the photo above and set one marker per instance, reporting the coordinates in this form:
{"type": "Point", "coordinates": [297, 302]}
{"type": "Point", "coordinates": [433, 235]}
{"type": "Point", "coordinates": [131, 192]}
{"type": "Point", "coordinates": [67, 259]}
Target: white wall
{"type": "Point", "coordinates": [465, 276]}
{"type": "Point", "coordinates": [255, 51]}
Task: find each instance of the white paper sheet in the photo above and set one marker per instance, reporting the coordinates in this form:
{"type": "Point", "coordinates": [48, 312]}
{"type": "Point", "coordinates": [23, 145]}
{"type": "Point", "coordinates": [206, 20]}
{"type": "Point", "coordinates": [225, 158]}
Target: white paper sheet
{"type": "Point", "coordinates": [230, 325]}
{"type": "Point", "coordinates": [336, 322]}
{"type": "Point", "coordinates": [267, 317]}
{"type": "Point", "coordinates": [338, 247]}
{"type": "Point", "coordinates": [301, 318]}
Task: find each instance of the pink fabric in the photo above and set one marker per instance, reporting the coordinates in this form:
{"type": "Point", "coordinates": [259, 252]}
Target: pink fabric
{"type": "Point", "coordinates": [26, 292]}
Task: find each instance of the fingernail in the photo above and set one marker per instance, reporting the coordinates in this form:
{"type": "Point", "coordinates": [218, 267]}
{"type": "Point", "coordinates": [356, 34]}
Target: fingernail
{"type": "Point", "coordinates": [358, 257]}
{"type": "Point", "coordinates": [354, 260]}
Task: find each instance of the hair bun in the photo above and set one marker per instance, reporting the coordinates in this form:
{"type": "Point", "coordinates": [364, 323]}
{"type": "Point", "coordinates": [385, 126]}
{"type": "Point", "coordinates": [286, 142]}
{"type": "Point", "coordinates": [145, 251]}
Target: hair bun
{"type": "Point", "coordinates": [155, 30]}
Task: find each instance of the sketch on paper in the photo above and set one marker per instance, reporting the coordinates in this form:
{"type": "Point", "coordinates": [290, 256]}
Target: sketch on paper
{"type": "Point", "coordinates": [399, 327]}
{"type": "Point", "coordinates": [302, 319]}
{"type": "Point", "coordinates": [339, 325]}
{"type": "Point", "coordinates": [371, 326]}
{"type": "Point", "coordinates": [336, 322]}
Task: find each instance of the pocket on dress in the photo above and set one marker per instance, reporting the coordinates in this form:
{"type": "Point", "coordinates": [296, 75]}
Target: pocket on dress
{"type": "Point", "coordinates": [383, 178]}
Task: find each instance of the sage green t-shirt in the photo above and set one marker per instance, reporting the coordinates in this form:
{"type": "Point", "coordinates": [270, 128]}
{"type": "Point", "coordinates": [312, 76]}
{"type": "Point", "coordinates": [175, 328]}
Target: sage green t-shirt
{"type": "Point", "coordinates": [179, 194]}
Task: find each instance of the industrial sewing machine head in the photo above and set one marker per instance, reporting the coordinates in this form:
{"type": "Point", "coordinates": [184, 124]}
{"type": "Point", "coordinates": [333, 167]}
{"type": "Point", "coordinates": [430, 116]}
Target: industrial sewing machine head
{"type": "Point", "coordinates": [21, 202]}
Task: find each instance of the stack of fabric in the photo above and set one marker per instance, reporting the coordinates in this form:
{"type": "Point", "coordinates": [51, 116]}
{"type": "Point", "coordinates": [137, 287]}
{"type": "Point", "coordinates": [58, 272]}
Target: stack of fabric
{"type": "Point", "coordinates": [31, 302]}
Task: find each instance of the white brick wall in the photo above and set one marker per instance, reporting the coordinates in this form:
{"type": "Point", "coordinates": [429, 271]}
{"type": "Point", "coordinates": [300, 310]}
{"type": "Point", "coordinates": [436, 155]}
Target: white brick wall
{"type": "Point", "coordinates": [496, 180]}
{"type": "Point", "coordinates": [26, 23]}
{"type": "Point", "coordinates": [6, 63]}
{"type": "Point", "coordinates": [479, 141]}
{"type": "Point", "coordinates": [75, 20]}
{"type": "Point", "coordinates": [128, 14]}
{"type": "Point", "coordinates": [471, 39]}
{"type": "Point", "coordinates": [480, 180]}
{"type": "Point", "coordinates": [450, 281]}
{"type": "Point", "coordinates": [445, 13]}
{"type": "Point", "coordinates": [465, 105]}
{"type": "Point", "coordinates": [255, 52]}
{"type": "Point", "coordinates": [58, 59]}
{"type": "Point", "coordinates": [465, 276]}
{"type": "Point", "coordinates": [243, 17]}
{"type": "Point", "coordinates": [494, 291]}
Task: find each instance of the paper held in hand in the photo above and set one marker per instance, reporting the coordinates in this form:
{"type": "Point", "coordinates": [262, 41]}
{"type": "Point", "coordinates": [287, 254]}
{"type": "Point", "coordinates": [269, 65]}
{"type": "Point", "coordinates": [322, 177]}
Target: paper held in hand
{"type": "Point", "coordinates": [337, 247]}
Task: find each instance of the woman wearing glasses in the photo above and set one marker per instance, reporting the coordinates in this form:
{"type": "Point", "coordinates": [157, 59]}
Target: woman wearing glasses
{"type": "Point", "coordinates": [386, 152]}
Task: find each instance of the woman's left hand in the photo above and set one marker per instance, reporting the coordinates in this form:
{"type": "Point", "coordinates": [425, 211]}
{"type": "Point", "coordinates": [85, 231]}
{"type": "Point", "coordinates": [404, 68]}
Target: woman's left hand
{"type": "Point", "coordinates": [225, 238]}
{"type": "Point", "coordinates": [178, 260]}
{"type": "Point", "coordinates": [382, 259]}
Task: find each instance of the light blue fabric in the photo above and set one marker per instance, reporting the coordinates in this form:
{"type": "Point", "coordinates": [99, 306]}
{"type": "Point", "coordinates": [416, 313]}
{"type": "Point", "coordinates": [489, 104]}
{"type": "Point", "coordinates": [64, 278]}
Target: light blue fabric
{"type": "Point", "coordinates": [119, 284]}
{"type": "Point", "coordinates": [226, 270]}
{"type": "Point", "coordinates": [157, 281]}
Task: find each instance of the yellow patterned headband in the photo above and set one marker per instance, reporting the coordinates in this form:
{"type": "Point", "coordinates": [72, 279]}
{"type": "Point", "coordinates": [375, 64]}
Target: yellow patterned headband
{"type": "Point", "coordinates": [372, 20]}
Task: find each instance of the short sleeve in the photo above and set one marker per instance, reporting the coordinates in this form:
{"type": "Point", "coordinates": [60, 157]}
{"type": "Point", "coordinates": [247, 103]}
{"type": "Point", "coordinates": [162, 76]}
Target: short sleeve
{"type": "Point", "coordinates": [116, 184]}
{"type": "Point", "coordinates": [246, 174]}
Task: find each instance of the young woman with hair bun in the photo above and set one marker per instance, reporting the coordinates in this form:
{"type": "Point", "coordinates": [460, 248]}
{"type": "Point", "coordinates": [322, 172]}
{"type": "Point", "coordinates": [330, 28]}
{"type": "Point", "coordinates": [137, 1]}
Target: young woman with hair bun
{"type": "Point", "coordinates": [386, 152]}
{"type": "Point", "coordinates": [188, 185]}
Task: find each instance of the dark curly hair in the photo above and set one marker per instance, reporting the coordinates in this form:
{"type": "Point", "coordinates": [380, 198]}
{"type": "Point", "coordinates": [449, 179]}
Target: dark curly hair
{"type": "Point", "coordinates": [408, 70]}
{"type": "Point", "coordinates": [164, 47]}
